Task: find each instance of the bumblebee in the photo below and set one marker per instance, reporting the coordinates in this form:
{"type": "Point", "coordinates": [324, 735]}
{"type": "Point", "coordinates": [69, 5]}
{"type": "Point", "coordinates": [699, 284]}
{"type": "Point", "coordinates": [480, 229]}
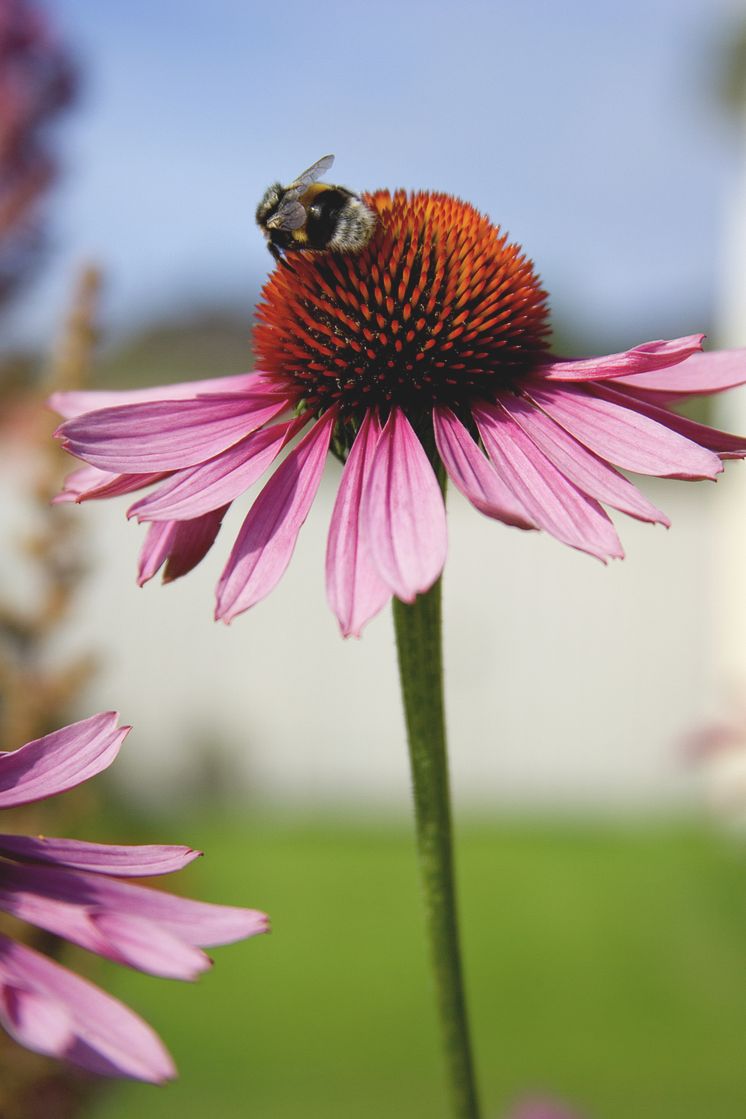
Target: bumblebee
{"type": "Point", "coordinates": [311, 215]}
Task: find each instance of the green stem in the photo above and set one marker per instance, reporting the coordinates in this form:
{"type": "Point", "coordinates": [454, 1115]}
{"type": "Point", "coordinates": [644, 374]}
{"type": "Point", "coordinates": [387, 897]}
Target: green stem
{"type": "Point", "coordinates": [419, 645]}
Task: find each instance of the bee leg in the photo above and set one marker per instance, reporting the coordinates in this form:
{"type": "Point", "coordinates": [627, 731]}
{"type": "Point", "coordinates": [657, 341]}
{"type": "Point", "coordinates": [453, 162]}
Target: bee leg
{"type": "Point", "coordinates": [279, 255]}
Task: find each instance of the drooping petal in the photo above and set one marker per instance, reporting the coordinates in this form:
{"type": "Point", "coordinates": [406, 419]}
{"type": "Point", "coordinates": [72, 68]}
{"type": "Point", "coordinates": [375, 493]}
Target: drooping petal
{"type": "Point", "coordinates": [89, 483]}
{"type": "Point", "coordinates": [144, 945]}
{"type": "Point", "coordinates": [101, 858]}
{"type": "Point", "coordinates": [554, 503]}
{"type": "Point", "coordinates": [723, 443]}
{"type": "Point", "coordinates": [63, 901]}
{"type": "Point", "coordinates": [60, 760]}
{"type": "Point", "coordinates": [354, 588]}
{"type": "Point", "coordinates": [267, 538]}
{"type": "Point", "coordinates": [200, 489]}
{"type": "Point", "coordinates": [35, 1021]}
{"type": "Point", "coordinates": [120, 484]}
{"type": "Point", "coordinates": [72, 404]}
{"type": "Point", "coordinates": [624, 436]}
{"type": "Point", "coordinates": [166, 434]}
{"type": "Point", "coordinates": [640, 359]}
{"type": "Point", "coordinates": [179, 544]}
{"type": "Point", "coordinates": [103, 1036]}
{"type": "Point", "coordinates": [700, 374]}
{"type": "Point", "coordinates": [403, 513]}
{"type": "Point", "coordinates": [155, 550]}
{"type": "Point", "coordinates": [587, 471]}
{"type": "Point", "coordinates": [82, 480]}
{"type": "Point", "coordinates": [473, 474]}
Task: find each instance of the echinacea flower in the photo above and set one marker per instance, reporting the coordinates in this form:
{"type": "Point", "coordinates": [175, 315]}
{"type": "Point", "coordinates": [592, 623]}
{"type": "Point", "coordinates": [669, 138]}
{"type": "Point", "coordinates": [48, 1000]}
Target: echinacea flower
{"type": "Point", "coordinates": [423, 355]}
{"type": "Point", "coordinates": [71, 888]}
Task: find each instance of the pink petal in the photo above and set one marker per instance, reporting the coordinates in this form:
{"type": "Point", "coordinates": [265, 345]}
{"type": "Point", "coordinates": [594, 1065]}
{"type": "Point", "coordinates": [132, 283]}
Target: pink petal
{"type": "Point", "coordinates": [148, 947]}
{"type": "Point", "coordinates": [81, 480]}
{"type": "Point", "coordinates": [721, 442]}
{"type": "Point", "coordinates": [104, 1036]}
{"type": "Point", "coordinates": [179, 544]}
{"type": "Point", "coordinates": [120, 484]}
{"type": "Point", "coordinates": [640, 359]}
{"type": "Point", "coordinates": [403, 513]}
{"type": "Point", "coordinates": [90, 483]}
{"type": "Point", "coordinates": [101, 858]}
{"type": "Point", "coordinates": [35, 1021]}
{"type": "Point", "coordinates": [267, 538]}
{"type": "Point", "coordinates": [155, 551]}
{"type": "Point", "coordinates": [72, 404]}
{"type": "Point", "coordinates": [123, 937]}
{"type": "Point", "coordinates": [354, 588]}
{"type": "Point", "coordinates": [554, 503]}
{"type": "Point", "coordinates": [166, 434]}
{"type": "Point", "coordinates": [473, 474]}
{"type": "Point", "coordinates": [625, 437]}
{"type": "Point", "coordinates": [700, 374]}
{"type": "Point", "coordinates": [64, 901]}
{"type": "Point", "coordinates": [60, 760]}
{"type": "Point", "coordinates": [200, 489]}
{"type": "Point", "coordinates": [584, 469]}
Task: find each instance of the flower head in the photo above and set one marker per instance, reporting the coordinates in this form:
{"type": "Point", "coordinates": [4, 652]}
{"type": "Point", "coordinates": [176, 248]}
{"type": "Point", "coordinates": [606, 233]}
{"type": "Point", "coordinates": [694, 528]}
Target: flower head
{"type": "Point", "coordinates": [422, 356]}
{"type": "Point", "coordinates": [72, 889]}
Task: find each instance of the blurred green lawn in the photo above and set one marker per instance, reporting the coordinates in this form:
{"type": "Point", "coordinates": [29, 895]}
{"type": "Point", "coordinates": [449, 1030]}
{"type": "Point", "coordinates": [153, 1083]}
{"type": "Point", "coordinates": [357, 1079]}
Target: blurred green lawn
{"type": "Point", "coordinates": [606, 964]}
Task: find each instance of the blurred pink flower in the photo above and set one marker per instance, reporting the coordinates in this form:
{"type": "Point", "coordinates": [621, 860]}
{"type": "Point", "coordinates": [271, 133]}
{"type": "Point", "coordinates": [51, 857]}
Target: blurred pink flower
{"type": "Point", "coordinates": [36, 82]}
{"type": "Point", "coordinates": [424, 352]}
{"type": "Point", "coordinates": [719, 751]}
{"type": "Point", "coordinates": [541, 1109]}
{"type": "Point", "coordinates": [70, 888]}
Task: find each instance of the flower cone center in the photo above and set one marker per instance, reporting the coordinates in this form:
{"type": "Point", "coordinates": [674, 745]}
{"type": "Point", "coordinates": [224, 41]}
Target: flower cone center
{"type": "Point", "coordinates": [438, 308]}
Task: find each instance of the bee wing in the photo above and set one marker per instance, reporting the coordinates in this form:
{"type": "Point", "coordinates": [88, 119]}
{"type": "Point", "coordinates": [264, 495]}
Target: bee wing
{"type": "Point", "coordinates": [314, 172]}
{"type": "Point", "coordinates": [289, 215]}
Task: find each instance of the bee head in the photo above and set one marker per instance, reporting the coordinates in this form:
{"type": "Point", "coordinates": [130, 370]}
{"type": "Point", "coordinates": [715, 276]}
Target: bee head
{"type": "Point", "coordinates": [269, 203]}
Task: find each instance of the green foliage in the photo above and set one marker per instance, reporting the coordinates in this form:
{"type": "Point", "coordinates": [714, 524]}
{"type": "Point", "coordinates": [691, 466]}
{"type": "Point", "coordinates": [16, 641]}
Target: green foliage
{"type": "Point", "coordinates": [605, 965]}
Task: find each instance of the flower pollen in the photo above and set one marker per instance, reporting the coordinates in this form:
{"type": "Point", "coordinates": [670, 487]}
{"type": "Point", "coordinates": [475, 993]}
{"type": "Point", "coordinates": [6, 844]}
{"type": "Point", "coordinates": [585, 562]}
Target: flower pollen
{"type": "Point", "coordinates": [439, 308]}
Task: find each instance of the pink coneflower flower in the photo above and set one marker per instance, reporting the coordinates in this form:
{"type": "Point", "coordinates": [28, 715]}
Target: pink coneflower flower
{"type": "Point", "coordinates": [70, 888]}
{"type": "Point", "coordinates": [423, 355]}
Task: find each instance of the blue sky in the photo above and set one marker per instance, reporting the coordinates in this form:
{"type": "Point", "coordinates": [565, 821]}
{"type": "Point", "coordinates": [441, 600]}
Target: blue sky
{"type": "Point", "coordinates": [591, 131]}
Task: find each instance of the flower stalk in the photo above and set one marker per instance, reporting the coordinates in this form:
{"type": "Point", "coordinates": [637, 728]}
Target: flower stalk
{"type": "Point", "coordinates": [419, 645]}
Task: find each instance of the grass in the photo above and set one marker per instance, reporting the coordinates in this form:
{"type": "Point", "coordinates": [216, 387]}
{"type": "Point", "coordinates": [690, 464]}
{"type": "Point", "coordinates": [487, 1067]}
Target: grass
{"type": "Point", "coordinates": [605, 965]}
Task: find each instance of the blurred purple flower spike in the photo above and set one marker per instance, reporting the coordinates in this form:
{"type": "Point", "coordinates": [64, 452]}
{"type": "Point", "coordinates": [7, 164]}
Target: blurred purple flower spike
{"type": "Point", "coordinates": [37, 81]}
{"type": "Point", "coordinates": [70, 888]}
